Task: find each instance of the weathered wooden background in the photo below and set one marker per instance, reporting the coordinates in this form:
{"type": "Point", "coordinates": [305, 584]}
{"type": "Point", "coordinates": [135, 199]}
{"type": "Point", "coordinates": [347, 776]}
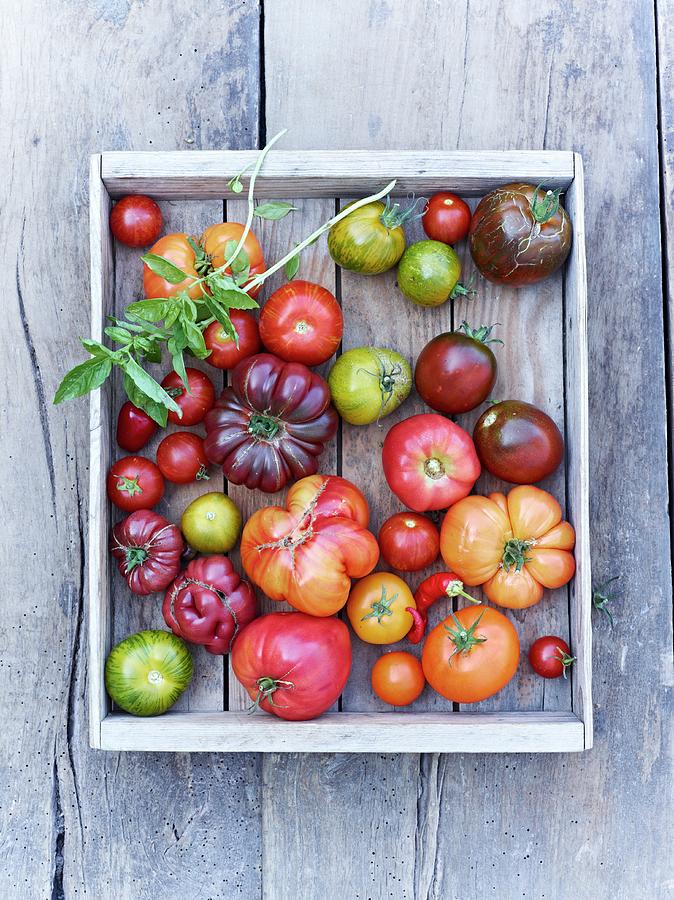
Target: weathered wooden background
{"type": "Point", "coordinates": [77, 77]}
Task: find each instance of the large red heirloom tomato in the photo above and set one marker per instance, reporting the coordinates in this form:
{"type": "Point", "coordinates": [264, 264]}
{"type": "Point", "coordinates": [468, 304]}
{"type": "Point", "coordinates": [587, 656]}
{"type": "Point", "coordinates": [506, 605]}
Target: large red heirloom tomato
{"type": "Point", "coordinates": [429, 462]}
{"type": "Point", "coordinates": [147, 548]}
{"type": "Point", "coordinates": [307, 553]}
{"type": "Point", "coordinates": [293, 665]}
{"type": "Point", "coordinates": [209, 604]}
{"type": "Point", "coordinates": [513, 546]}
{"type": "Point", "coordinates": [271, 424]}
{"type": "Point", "coordinates": [302, 322]}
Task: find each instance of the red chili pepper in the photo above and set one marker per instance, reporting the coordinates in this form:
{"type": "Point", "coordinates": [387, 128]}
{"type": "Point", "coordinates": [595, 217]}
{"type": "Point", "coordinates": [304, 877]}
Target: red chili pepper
{"type": "Point", "coordinates": [435, 587]}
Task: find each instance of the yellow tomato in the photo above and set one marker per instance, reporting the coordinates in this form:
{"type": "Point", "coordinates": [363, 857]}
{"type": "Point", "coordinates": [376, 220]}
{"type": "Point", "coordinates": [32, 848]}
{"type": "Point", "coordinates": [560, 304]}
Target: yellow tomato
{"type": "Point", "coordinates": [211, 523]}
{"type": "Point", "coordinates": [377, 608]}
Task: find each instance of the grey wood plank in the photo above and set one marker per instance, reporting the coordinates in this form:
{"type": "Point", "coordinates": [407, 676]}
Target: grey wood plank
{"type": "Point", "coordinates": [483, 825]}
{"type": "Point", "coordinates": [82, 822]}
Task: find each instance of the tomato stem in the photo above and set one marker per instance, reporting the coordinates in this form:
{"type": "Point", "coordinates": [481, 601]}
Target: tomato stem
{"type": "Point", "coordinates": [264, 427]}
{"type": "Point", "coordinates": [134, 556]}
{"type": "Point", "coordinates": [566, 660]}
{"type": "Point", "coordinates": [202, 474]}
{"type": "Point", "coordinates": [515, 554]}
{"type": "Point", "coordinates": [433, 468]}
{"type": "Point", "coordinates": [543, 210]}
{"type": "Point", "coordinates": [128, 486]}
{"type": "Point", "coordinates": [464, 639]}
{"type": "Point", "coordinates": [481, 334]}
{"type": "Point", "coordinates": [601, 598]}
{"type": "Point", "coordinates": [393, 216]}
{"type": "Point", "coordinates": [266, 685]}
{"type": "Point", "coordinates": [381, 607]}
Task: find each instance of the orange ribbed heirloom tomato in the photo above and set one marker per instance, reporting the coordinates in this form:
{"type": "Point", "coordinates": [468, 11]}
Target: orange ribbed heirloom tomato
{"type": "Point", "coordinates": [307, 553]}
{"type": "Point", "coordinates": [513, 546]}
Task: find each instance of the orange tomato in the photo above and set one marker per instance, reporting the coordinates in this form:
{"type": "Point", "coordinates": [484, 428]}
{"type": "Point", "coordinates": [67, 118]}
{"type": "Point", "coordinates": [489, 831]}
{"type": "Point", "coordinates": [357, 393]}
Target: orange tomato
{"type": "Point", "coordinates": [472, 655]}
{"type": "Point", "coordinates": [513, 546]}
{"type": "Point", "coordinates": [215, 239]}
{"type": "Point", "coordinates": [307, 553]}
{"type": "Point", "coordinates": [176, 249]}
{"type": "Point", "coordinates": [398, 678]}
{"type": "Point", "coordinates": [377, 608]}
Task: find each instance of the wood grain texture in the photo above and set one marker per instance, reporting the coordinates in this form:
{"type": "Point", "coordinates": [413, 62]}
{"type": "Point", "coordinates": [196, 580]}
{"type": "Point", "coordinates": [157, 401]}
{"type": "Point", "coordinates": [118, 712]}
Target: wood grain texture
{"type": "Point", "coordinates": [469, 65]}
{"type": "Point", "coordinates": [78, 822]}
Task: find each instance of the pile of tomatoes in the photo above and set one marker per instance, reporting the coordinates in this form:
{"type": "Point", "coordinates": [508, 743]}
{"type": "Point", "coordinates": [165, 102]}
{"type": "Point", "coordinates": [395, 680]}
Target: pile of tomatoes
{"type": "Point", "coordinates": [315, 552]}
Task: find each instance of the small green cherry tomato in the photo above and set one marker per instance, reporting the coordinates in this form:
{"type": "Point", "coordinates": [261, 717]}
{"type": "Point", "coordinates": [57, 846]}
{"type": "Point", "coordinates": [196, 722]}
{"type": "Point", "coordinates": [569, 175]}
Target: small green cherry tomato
{"type": "Point", "coordinates": [370, 240]}
{"type": "Point", "coordinates": [368, 383]}
{"type": "Point", "coordinates": [429, 272]}
{"type": "Point", "coordinates": [147, 672]}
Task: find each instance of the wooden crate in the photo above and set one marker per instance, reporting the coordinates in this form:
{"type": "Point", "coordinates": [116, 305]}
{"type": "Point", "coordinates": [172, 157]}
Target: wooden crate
{"type": "Point", "coordinates": [544, 361]}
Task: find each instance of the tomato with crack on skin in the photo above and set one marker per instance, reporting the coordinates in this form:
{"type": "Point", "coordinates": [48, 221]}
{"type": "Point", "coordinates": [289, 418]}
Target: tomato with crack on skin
{"type": "Point", "coordinates": [519, 234]}
{"type": "Point", "coordinates": [177, 249]}
{"type": "Point", "coordinates": [148, 551]}
{"type": "Point", "coordinates": [292, 665]}
{"type": "Point", "coordinates": [181, 458]}
{"type": "Point", "coordinates": [271, 424]}
{"type": "Point", "coordinates": [409, 541]}
{"type": "Point", "coordinates": [224, 352]}
{"type": "Point", "coordinates": [134, 482]}
{"type": "Point", "coordinates": [518, 442]}
{"type": "Point", "coordinates": [194, 400]}
{"type": "Point", "coordinates": [308, 552]}
{"type": "Point", "coordinates": [378, 608]}
{"type": "Point", "coordinates": [134, 427]}
{"type": "Point", "coordinates": [429, 462]}
{"type": "Point", "coordinates": [302, 322]}
{"type": "Point", "coordinates": [513, 546]}
{"type": "Point", "coordinates": [215, 240]}
{"type": "Point", "coordinates": [209, 604]}
{"type": "Point", "coordinates": [472, 655]}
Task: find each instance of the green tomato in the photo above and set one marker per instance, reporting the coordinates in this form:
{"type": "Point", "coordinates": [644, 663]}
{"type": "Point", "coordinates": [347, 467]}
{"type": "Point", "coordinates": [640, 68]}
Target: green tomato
{"type": "Point", "coordinates": [429, 273]}
{"type": "Point", "coordinates": [147, 672]}
{"type": "Point", "coordinates": [370, 240]}
{"type": "Point", "coordinates": [211, 523]}
{"type": "Point", "coordinates": [368, 383]}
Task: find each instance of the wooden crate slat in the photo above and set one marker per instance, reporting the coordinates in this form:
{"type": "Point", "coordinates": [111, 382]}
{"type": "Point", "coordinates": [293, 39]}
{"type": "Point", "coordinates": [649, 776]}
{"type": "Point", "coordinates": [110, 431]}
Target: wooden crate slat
{"type": "Point", "coordinates": [343, 732]}
{"type": "Point", "coordinates": [330, 173]}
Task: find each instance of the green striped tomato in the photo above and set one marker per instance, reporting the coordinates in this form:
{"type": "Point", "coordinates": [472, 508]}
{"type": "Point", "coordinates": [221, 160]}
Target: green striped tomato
{"type": "Point", "coordinates": [370, 240]}
{"type": "Point", "coordinates": [428, 273]}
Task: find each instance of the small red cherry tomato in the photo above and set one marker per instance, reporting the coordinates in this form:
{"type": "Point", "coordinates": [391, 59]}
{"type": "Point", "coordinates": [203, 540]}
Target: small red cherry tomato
{"type": "Point", "coordinates": [136, 221]}
{"type": "Point", "coordinates": [398, 678]}
{"type": "Point", "coordinates": [550, 656]}
{"type": "Point", "coordinates": [302, 322]}
{"type": "Point", "coordinates": [134, 482]}
{"type": "Point", "coordinates": [181, 458]}
{"type": "Point", "coordinates": [196, 403]}
{"type": "Point", "coordinates": [409, 541]}
{"type": "Point", "coordinates": [134, 428]}
{"type": "Point", "coordinates": [447, 218]}
{"type": "Point", "coordinates": [224, 352]}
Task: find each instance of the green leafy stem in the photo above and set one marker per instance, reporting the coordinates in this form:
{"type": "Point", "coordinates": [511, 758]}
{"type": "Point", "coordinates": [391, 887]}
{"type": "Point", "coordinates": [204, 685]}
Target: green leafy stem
{"type": "Point", "coordinates": [178, 322]}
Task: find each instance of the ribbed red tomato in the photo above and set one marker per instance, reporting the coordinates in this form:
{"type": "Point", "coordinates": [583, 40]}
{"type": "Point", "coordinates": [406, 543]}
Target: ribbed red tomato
{"type": "Point", "coordinates": [134, 428]}
{"type": "Point", "coordinates": [134, 482]}
{"type": "Point", "coordinates": [147, 548]}
{"type": "Point", "coordinates": [293, 665]}
{"type": "Point", "coordinates": [224, 352]}
{"type": "Point", "coordinates": [136, 221]}
{"type": "Point", "coordinates": [195, 403]}
{"type": "Point", "coordinates": [302, 322]}
{"type": "Point", "coordinates": [181, 458]}
{"type": "Point", "coordinates": [409, 541]}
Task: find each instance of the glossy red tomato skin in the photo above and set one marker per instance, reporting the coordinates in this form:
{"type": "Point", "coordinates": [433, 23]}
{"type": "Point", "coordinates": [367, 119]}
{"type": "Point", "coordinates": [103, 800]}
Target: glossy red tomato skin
{"type": "Point", "coordinates": [313, 654]}
{"type": "Point", "coordinates": [455, 373]}
{"type": "Point", "coordinates": [545, 656]}
{"type": "Point", "coordinates": [224, 352]}
{"type": "Point", "coordinates": [518, 442]}
{"type": "Point", "coordinates": [409, 541]}
{"type": "Point", "coordinates": [136, 221]}
{"type": "Point", "coordinates": [148, 551]}
{"type": "Point", "coordinates": [194, 405]}
{"type": "Point", "coordinates": [134, 428]}
{"type": "Point", "coordinates": [447, 218]}
{"type": "Point", "coordinates": [134, 482]}
{"type": "Point", "coordinates": [181, 458]}
{"type": "Point", "coordinates": [302, 322]}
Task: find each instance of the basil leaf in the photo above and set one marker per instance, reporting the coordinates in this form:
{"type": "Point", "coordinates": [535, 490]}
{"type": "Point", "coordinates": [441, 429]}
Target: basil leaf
{"type": "Point", "coordinates": [120, 335]}
{"type": "Point", "coordinates": [179, 366]}
{"type": "Point", "coordinates": [146, 383]}
{"type": "Point", "coordinates": [152, 310]}
{"type": "Point", "coordinates": [242, 277]}
{"type": "Point", "coordinates": [237, 300]}
{"type": "Point", "coordinates": [100, 351]}
{"type": "Point", "coordinates": [292, 267]}
{"type": "Point", "coordinates": [273, 210]}
{"type": "Point", "coordinates": [195, 341]}
{"type": "Point", "coordinates": [153, 352]}
{"type": "Point", "coordinates": [86, 377]}
{"type": "Point", "coordinates": [156, 411]}
{"type": "Point", "coordinates": [164, 268]}
{"type": "Point", "coordinates": [240, 261]}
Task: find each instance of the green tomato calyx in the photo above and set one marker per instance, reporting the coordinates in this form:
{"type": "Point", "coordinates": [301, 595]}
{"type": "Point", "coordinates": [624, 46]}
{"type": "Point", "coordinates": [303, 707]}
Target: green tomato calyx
{"type": "Point", "coordinates": [464, 639]}
{"type": "Point", "coordinates": [434, 468]}
{"type": "Point", "coordinates": [481, 334]}
{"type": "Point", "coordinates": [393, 216]}
{"type": "Point", "coordinates": [129, 486]}
{"type": "Point", "coordinates": [515, 554]}
{"type": "Point", "coordinates": [566, 660]}
{"type": "Point", "coordinates": [134, 556]}
{"type": "Point", "coordinates": [264, 428]}
{"type": "Point", "coordinates": [543, 209]}
{"type": "Point", "coordinates": [381, 607]}
{"type": "Point", "coordinates": [266, 685]}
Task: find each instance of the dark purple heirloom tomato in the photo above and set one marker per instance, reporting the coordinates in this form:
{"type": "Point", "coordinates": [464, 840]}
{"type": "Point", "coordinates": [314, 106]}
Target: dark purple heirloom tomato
{"type": "Point", "coordinates": [518, 442]}
{"type": "Point", "coordinates": [271, 424]}
{"type": "Point", "coordinates": [519, 234]}
{"type": "Point", "coordinates": [456, 371]}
